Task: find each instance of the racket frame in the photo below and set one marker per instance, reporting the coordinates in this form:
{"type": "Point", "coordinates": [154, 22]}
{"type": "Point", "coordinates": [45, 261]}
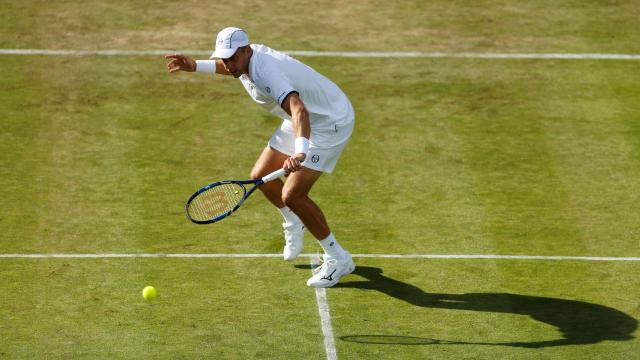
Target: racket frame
{"type": "Point", "coordinates": [272, 176]}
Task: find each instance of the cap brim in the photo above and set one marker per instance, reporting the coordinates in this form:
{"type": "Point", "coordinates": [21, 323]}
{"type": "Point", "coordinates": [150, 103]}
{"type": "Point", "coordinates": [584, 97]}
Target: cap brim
{"type": "Point", "coordinates": [223, 53]}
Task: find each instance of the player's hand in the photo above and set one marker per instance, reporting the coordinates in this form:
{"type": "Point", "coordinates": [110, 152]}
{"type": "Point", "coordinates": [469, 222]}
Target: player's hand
{"type": "Point", "coordinates": [294, 163]}
{"type": "Point", "coordinates": [178, 62]}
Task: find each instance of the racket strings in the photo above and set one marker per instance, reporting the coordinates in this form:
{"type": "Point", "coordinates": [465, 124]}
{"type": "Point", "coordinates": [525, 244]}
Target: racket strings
{"type": "Point", "coordinates": [215, 201]}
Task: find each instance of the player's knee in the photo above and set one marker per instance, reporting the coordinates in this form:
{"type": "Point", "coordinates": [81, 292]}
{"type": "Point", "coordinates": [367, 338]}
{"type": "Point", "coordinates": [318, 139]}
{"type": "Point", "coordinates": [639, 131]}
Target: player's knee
{"type": "Point", "coordinates": [255, 174]}
{"type": "Point", "coordinates": [290, 197]}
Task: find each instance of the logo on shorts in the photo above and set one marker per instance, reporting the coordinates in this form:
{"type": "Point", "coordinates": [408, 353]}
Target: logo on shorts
{"type": "Point", "coordinates": [220, 41]}
{"type": "Point", "coordinates": [268, 89]}
{"type": "Point", "coordinates": [315, 158]}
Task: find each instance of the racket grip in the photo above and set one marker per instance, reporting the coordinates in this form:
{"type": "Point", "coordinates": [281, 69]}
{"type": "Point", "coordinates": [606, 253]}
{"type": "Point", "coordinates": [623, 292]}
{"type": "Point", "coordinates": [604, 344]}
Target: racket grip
{"type": "Point", "coordinates": [274, 175]}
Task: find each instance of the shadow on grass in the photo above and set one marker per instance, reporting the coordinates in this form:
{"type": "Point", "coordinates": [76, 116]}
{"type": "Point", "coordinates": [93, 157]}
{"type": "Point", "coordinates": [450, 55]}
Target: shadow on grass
{"type": "Point", "coordinates": [579, 322]}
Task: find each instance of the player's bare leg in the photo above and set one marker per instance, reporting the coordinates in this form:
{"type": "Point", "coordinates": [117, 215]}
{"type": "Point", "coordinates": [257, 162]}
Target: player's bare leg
{"type": "Point", "coordinates": [269, 161]}
{"type": "Point", "coordinates": [295, 195]}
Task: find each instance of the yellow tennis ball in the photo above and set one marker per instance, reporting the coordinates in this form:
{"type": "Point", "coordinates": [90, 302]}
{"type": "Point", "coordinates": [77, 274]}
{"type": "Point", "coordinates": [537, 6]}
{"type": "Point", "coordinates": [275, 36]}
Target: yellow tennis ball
{"type": "Point", "coordinates": [149, 292]}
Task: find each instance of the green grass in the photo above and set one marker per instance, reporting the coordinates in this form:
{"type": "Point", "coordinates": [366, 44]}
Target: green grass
{"type": "Point", "coordinates": [250, 308]}
{"type": "Point", "coordinates": [449, 156]}
{"type": "Point", "coordinates": [104, 316]}
{"type": "Point", "coordinates": [405, 25]}
{"type": "Point", "coordinates": [480, 310]}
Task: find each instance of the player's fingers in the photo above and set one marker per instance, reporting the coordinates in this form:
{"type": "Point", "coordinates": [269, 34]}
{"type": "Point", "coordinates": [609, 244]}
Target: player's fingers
{"type": "Point", "coordinates": [292, 165]}
{"type": "Point", "coordinates": [286, 169]}
{"type": "Point", "coordinates": [288, 165]}
{"type": "Point", "coordinates": [173, 63]}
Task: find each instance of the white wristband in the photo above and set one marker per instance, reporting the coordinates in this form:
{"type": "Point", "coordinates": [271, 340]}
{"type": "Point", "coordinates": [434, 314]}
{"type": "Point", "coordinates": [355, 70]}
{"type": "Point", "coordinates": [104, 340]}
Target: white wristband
{"type": "Point", "coordinates": [302, 145]}
{"type": "Point", "coordinates": [206, 66]}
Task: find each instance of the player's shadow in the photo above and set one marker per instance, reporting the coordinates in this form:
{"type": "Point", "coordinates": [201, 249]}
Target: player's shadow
{"type": "Point", "coordinates": [579, 322]}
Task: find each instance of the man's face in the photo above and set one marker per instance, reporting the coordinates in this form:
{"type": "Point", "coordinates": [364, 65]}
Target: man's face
{"type": "Point", "coordinates": [238, 64]}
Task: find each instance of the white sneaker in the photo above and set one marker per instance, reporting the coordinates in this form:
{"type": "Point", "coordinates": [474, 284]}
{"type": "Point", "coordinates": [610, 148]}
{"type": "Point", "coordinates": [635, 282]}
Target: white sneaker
{"type": "Point", "coordinates": [328, 274]}
{"type": "Point", "coordinates": [293, 240]}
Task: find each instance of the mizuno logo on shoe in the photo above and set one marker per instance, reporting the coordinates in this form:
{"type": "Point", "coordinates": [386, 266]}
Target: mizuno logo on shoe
{"type": "Point", "coordinates": [330, 277]}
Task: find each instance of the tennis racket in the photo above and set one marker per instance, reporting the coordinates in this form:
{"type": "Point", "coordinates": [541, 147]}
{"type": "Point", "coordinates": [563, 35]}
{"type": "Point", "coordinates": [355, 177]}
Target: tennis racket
{"type": "Point", "coordinates": [218, 200]}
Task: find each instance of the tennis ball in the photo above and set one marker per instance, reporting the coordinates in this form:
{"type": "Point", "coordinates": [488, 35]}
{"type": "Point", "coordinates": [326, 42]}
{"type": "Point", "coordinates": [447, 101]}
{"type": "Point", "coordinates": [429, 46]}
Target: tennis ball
{"type": "Point", "coordinates": [149, 292]}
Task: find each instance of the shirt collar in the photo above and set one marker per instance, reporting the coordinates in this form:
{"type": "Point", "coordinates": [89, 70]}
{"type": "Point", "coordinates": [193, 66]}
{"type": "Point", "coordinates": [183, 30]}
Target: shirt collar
{"type": "Point", "coordinates": [253, 60]}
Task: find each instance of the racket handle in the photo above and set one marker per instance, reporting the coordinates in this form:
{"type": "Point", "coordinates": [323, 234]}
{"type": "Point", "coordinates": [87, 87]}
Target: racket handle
{"type": "Point", "coordinates": [274, 175]}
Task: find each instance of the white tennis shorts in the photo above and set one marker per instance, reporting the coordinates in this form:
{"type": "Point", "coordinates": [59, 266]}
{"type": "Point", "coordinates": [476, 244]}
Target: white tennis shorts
{"type": "Point", "coordinates": [325, 145]}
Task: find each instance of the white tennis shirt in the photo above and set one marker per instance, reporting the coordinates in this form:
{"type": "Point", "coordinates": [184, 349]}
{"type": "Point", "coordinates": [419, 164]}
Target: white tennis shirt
{"type": "Point", "coordinates": [274, 75]}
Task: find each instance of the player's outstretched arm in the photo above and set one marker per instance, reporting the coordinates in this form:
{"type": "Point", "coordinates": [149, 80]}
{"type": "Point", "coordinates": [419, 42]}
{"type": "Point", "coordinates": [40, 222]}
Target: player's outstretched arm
{"type": "Point", "coordinates": [179, 62]}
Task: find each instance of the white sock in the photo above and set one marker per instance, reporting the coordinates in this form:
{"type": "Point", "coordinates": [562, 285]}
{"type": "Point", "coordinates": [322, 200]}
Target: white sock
{"type": "Point", "coordinates": [331, 247]}
{"type": "Point", "coordinates": [289, 216]}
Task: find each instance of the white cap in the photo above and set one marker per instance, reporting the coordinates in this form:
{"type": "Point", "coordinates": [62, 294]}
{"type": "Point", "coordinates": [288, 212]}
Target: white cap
{"type": "Point", "coordinates": [228, 41]}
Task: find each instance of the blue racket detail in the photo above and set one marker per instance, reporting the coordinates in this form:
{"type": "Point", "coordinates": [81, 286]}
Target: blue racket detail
{"type": "Point", "coordinates": [218, 200]}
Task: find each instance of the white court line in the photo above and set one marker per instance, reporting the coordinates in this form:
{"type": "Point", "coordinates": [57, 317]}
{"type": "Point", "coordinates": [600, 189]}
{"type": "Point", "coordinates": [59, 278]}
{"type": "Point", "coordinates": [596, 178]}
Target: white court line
{"type": "Point", "coordinates": [325, 316]}
{"type": "Point", "coordinates": [349, 54]}
{"type": "Point", "coordinates": [385, 256]}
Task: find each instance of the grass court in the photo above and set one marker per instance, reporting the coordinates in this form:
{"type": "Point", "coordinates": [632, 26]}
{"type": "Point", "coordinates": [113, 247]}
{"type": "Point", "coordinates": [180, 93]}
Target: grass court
{"type": "Point", "coordinates": [449, 156]}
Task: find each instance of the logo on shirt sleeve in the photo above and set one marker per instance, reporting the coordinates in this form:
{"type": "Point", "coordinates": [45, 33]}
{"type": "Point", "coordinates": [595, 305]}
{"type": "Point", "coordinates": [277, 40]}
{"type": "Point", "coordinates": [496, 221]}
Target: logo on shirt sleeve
{"type": "Point", "coordinates": [268, 90]}
{"type": "Point", "coordinates": [280, 97]}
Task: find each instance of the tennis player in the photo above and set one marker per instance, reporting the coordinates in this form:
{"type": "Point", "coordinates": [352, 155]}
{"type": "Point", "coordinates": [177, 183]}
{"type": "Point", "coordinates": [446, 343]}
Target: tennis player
{"type": "Point", "coordinates": [318, 120]}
